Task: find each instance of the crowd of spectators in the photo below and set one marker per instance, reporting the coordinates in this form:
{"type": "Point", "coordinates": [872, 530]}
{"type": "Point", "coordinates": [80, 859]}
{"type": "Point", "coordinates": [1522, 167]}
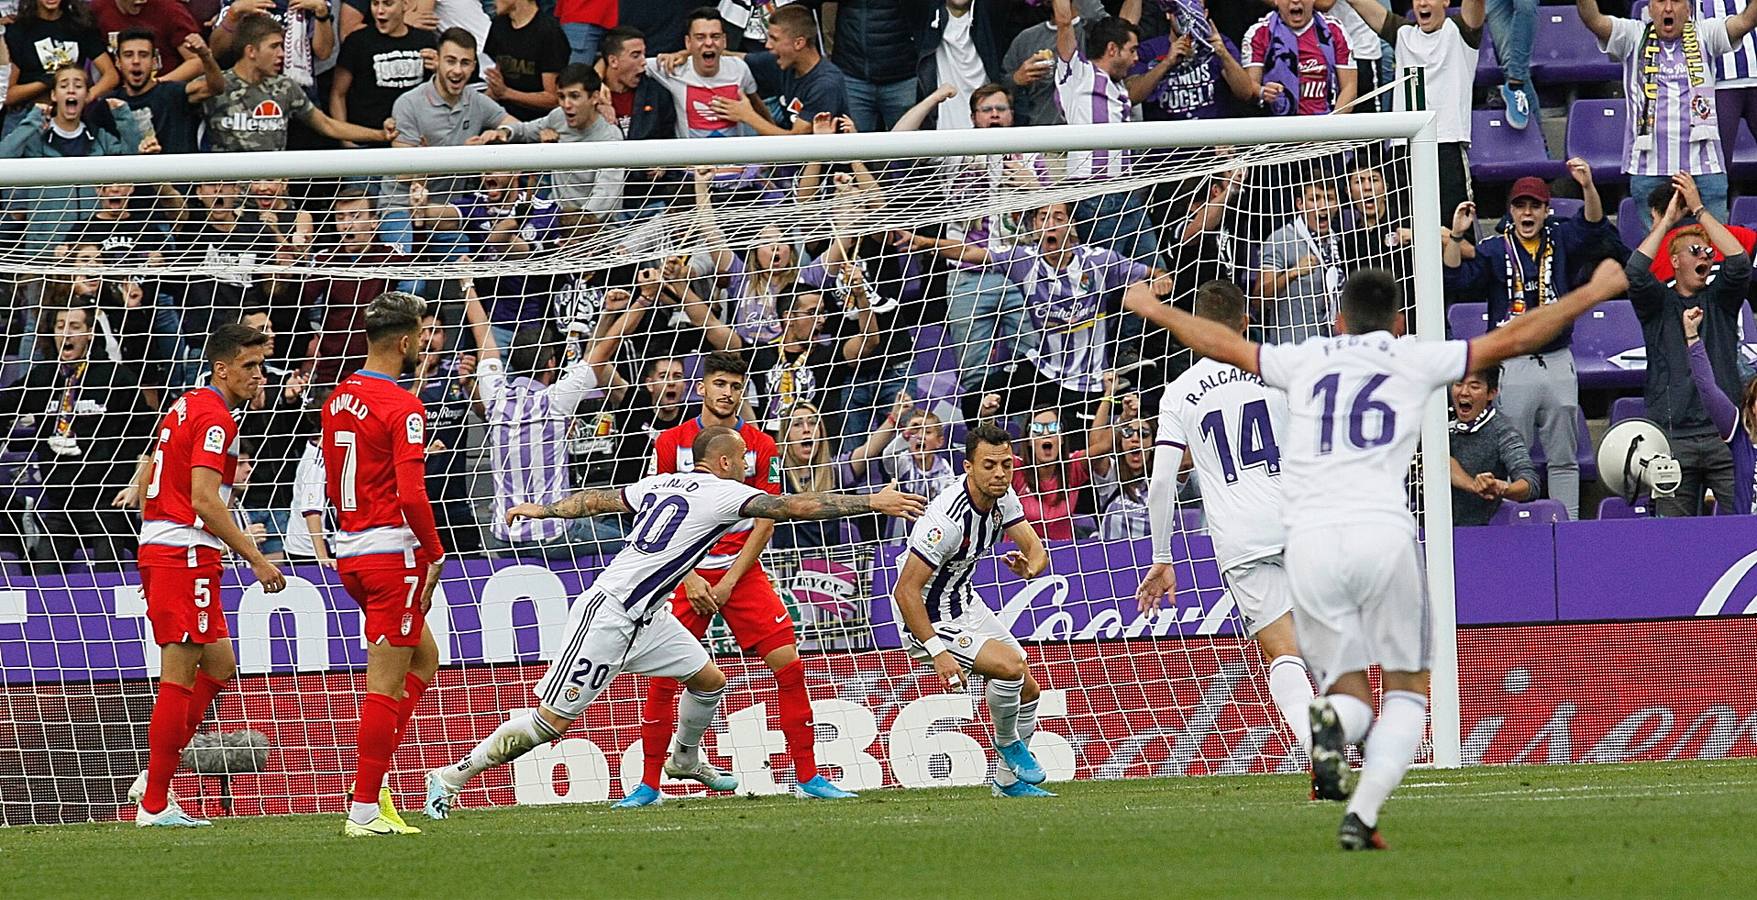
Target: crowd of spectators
{"type": "Point", "coordinates": [539, 382]}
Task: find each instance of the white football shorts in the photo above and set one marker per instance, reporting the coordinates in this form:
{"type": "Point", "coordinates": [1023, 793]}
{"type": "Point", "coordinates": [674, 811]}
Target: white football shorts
{"type": "Point", "coordinates": [604, 640]}
{"type": "Point", "coordinates": [1359, 597]}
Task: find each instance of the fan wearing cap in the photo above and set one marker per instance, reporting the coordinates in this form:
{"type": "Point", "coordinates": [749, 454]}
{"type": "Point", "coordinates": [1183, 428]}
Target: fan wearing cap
{"type": "Point", "coordinates": [1673, 401]}
{"type": "Point", "coordinates": [1532, 259]}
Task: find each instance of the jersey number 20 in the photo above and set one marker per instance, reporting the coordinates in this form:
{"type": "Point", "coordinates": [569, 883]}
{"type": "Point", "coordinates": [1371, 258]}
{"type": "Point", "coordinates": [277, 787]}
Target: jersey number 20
{"type": "Point", "coordinates": [1256, 440]}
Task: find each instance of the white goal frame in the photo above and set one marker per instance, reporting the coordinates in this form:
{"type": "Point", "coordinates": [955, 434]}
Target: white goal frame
{"type": "Point", "coordinates": [1415, 127]}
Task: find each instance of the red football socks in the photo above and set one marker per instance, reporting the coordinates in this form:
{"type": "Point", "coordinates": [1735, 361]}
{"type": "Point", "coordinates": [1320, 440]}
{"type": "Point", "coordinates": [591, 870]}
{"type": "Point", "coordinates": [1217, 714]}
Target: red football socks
{"type": "Point", "coordinates": [165, 737]}
{"type": "Point", "coordinates": [796, 723]}
{"type": "Point", "coordinates": [658, 721]}
{"type": "Point", "coordinates": [201, 697]}
{"type": "Point", "coordinates": [377, 739]}
{"type": "Point", "coordinates": [413, 688]}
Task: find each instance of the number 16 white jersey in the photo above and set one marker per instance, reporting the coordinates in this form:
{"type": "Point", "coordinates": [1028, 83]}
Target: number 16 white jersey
{"type": "Point", "coordinates": [1356, 403]}
{"type": "Point", "coordinates": [1231, 424]}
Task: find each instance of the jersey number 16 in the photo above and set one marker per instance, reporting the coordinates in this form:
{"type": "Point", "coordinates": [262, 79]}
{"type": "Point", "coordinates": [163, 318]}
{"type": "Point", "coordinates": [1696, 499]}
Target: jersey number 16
{"type": "Point", "coordinates": [1256, 440]}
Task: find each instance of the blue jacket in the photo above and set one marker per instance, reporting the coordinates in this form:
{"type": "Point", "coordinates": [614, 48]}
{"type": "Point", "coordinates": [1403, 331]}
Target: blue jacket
{"type": "Point", "coordinates": [1579, 245]}
{"type": "Point", "coordinates": [55, 210]}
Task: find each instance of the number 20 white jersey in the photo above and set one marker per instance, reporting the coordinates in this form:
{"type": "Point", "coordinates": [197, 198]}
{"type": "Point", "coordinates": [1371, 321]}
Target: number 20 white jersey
{"type": "Point", "coordinates": [1356, 405]}
{"type": "Point", "coordinates": [677, 519]}
{"type": "Point", "coordinates": [1231, 424]}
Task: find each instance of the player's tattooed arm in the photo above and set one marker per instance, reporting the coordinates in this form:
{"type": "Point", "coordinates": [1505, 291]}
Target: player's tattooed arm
{"type": "Point", "coordinates": [820, 505]}
{"type": "Point", "coordinates": [599, 502]}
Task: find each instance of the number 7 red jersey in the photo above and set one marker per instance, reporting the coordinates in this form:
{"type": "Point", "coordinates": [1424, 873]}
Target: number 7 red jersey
{"type": "Point", "coordinates": [374, 446]}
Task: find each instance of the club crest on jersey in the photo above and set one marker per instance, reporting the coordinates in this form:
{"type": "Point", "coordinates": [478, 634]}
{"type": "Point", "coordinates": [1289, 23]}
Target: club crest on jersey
{"type": "Point", "coordinates": [571, 694]}
{"type": "Point", "coordinates": [964, 640]}
{"type": "Point", "coordinates": [415, 426]}
{"type": "Point", "coordinates": [201, 622]}
{"type": "Point", "coordinates": [215, 440]}
{"type": "Point", "coordinates": [408, 623]}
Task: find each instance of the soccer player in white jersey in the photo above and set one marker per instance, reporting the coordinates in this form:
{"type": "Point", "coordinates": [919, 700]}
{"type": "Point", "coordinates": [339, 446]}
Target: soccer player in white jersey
{"type": "Point", "coordinates": [1224, 423]}
{"type": "Point", "coordinates": [947, 625]}
{"type": "Point", "coordinates": [624, 622]}
{"type": "Point", "coordinates": [1359, 597]}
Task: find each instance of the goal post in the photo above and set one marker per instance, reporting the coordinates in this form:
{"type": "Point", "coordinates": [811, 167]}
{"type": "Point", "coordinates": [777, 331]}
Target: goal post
{"type": "Point", "coordinates": [917, 264]}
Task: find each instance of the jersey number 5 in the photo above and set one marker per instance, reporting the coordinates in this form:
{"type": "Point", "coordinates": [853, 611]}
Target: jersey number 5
{"type": "Point", "coordinates": [1256, 440]}
{"type": "Point", "coordinates": [1360, 409]}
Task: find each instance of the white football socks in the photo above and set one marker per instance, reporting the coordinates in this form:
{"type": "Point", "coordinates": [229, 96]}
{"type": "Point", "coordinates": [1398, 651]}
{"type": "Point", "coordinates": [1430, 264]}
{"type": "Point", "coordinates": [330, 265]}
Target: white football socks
{"type": "Point", "coordinates": [695, 712]}
{"type": "Point", "coordinates": [1356, 717]}
{"type": "Point", "coordinates": [1027, 727]}
{"type": "Point", "coordinates": [1291, 688]}
{"type": "Point", "coordinates": [362, 813]}
{"type": "Point", "coordinates": [1402, 721]}
{"type": "Point", "coordinates": [514, 738]}
{"type": "Point", "coordinates": [1003, 708]}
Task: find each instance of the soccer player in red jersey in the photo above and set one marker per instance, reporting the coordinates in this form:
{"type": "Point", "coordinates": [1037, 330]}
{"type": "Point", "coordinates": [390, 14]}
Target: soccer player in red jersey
{"type": "Point", "coordinates": [387, 548]}
{"type": "Point", "coordinates": [731, 582]}
{"type": "Point", "coordinates": [185, 526]}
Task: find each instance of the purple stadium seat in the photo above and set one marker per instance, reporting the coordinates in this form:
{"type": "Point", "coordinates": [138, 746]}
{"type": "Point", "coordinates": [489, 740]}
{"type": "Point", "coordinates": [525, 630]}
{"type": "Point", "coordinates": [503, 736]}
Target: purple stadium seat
{"type": "Point", "coordinates": [1618, 508]}
{"type": "Point", "coordinates": [1189, 518]}
{"type": "Point", "coordinates": [1564, 52]}
{"type": "Point", "coordinates": [1537, 512]}
{"type": "Point", "coordinates": [1744, 158]}
{"type": "Point", "coordinates": [1744, 211]}
{"type": "Point", "coordinates": [1566, 207]}
{"type": "Point", "coordinates": [1629, 222]}
{"type": "Point", "coordinates": [934, 386]}
{"type": "Point", "coordinates": [1628, 408]}
{"type": "Point", "coordinates": [1499, 152]}
{"type": "Point", "coordinates": [1606, 332]}
{"type": "Point", "coordinates": [1488, 64]}
{"type": "Point", "coordinates": [1595, 134]}
{"type": "Point", "coordinates": [1584, 453]}
{"type": "Point", "coordinates": [1466, 320]}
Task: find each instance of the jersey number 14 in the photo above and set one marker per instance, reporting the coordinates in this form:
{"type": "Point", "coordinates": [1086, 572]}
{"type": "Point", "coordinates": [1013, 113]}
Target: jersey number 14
{"type": "Point", "coordinates": [1256, 440]}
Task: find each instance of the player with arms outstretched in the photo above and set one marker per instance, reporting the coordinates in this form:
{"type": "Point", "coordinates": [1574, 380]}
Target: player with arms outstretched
{"type": "Point", "coordinates": [1360, 598]}
{"type": "Point", "coordinates": [732, 583]}
{"type": "Point", "coordinates": [185, 527]}
{"type": "Point", "coordinates": [946, 625]}
{"type": "Point", "coordinates": [1225, 424]}
{"type": "Point", "coordinates": [387, 548]}
{"type": "Point", "coordinates": [623, 622]}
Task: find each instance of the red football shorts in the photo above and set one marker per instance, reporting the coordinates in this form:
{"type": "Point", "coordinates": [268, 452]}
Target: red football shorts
{"type": "Point", "coordinates": [391, 600]}
{"type": "Point", "coordinates": [183, 603]}
{"type": "Point", "coordinates": [754, 612]}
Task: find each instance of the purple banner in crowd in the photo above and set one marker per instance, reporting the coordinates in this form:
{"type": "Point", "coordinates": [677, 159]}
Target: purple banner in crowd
{"type": "Point", "coordinates": [85, 627]}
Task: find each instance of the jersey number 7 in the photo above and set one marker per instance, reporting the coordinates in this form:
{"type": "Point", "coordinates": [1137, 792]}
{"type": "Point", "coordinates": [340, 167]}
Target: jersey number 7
{"type": "Point", "coordinates": [1256, 443]}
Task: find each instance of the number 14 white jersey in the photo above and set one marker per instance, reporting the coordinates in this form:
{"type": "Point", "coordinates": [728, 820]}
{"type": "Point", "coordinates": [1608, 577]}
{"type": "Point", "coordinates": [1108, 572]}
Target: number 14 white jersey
{"type": "Point", "coordinates": [1356, 403]}
{"type": "Point", "coordinates": [1231, 424]}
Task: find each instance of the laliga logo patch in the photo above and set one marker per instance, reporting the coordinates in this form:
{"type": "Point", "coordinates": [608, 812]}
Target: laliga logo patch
{"type": "Point", "coordinates": [408, 623]}
{"type": "Point", "coordinates": [415, 428]}
{"type": "Point", "coordinates": [934, 535]}
{"type": "Point", "coordinates": [215, 440]}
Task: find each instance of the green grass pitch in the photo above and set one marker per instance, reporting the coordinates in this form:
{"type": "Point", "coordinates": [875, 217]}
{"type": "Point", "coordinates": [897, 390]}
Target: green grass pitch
{"type": "Point", "coordinates": [1662, 829]}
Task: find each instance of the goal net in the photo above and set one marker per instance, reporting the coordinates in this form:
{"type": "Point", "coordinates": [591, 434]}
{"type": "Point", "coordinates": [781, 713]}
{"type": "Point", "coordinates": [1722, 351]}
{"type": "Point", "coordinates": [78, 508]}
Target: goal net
{"type": "Point", "coordinates": [884, 293]}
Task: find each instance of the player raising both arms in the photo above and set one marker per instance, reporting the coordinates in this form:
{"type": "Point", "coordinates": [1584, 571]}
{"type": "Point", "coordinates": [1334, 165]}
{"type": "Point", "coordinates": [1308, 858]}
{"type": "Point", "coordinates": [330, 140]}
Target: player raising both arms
{"type": "Point", "coordinates": [1226, 425]}
{"type": "Point", "coordinates": [623, 622]}
{"type": "Point", "coordinates": [185, 526]}
{"type": "Point", "coordinates": [731, 582]}
{"type": "Point", "coordinates": [1356, 404]}
{"type": "Point", "coordinates": [947, 625]}
{"type": "Point", "coordinates": [387, 548]}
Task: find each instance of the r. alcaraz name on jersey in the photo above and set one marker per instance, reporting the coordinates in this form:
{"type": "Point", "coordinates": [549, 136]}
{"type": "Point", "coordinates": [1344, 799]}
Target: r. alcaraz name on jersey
{"type": "Point", "coordinates": [1231, 424]}
{"type": "Point", "coordinates": [950, 536]}
{"type": "Point", "coordinates": [374, 459]}
{"type": "Point", "coordinates": [198, 431]}
{"type": "Point", "coordinates": [678, 519]}
{"type": "Point", "coordinates": [762, 469]}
